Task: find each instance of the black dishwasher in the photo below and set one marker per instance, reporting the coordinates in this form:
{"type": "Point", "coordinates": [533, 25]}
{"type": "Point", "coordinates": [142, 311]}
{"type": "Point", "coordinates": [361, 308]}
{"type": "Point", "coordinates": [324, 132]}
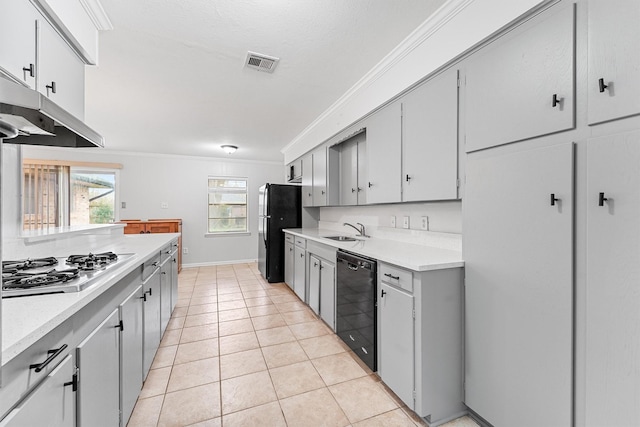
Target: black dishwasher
{"type": "Point", "coordinates": [356, 305]}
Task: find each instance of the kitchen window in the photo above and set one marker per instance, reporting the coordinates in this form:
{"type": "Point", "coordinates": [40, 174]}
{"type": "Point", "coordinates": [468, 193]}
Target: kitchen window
{"type": "Point", "coordinates": [57, 193]}
{"type": "Point", "coordinates": [227, 205]}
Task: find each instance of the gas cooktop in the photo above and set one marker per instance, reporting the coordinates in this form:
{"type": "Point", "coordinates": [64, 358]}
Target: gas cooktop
{"type": "Point", "coordinates": [55, 274]}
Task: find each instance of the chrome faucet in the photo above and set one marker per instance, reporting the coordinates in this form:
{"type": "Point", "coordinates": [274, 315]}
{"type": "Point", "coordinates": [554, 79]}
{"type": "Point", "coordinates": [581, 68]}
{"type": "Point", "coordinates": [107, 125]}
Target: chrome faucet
{"type": "Point", "coordinates": [361, 230]}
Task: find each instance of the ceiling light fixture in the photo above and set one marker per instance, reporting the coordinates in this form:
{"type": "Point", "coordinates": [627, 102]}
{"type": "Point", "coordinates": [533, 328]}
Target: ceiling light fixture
{"type": "Point", "coordinates": [229, 149]}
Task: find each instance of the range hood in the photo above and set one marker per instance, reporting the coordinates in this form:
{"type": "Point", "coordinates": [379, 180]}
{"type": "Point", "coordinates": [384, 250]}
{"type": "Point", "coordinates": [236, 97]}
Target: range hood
{"type": "Point", "coordinates": [39, 121]}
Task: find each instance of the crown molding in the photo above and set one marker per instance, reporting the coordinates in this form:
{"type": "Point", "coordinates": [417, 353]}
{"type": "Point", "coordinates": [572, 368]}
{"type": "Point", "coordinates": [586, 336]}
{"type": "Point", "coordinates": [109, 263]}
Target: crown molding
{"type": "Point", "coordinates": [431, 25]}
{"type": "Point", "coordinates": [97, 14]}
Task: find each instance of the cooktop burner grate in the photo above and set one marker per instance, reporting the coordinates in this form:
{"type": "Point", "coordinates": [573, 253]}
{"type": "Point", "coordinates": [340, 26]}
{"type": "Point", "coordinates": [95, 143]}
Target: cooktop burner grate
{"type": "Point", "coordinates": [92, 261]}
{"type": "Point", "coordinates": [22, 280]}
{"type": "Point", "coordinates": [27, 264]}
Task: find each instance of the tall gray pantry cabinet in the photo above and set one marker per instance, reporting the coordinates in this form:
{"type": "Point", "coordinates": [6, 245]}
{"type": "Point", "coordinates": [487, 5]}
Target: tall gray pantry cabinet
{"type": "Point", "coordinates": [551, 219]}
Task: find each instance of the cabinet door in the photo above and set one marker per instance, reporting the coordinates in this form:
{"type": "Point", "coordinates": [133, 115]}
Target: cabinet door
{"type": "Point", "coordinates": [299, 272]}
{"type": "Point", "coordinates": [314, 284]}
{"type": "Point", "coordinates": [383, 155]}
{"type": "Point", "coordinates": [165, 294]}
{"type": "Point", "coordinates": [174, 278]}
{"type": "Point", "coordinates": [395, 361]}
{"type": "Point", "coordinates": [320, 177]}
{"type": "Point", "coordinates": [130, 352]}
{"type": "Point", "coordinates": [289, 260]}
{"type": "Point", "coordinates": [18, 57]}
{"type": "Point", "coordinates": [60, 71]}
{"type": "Point", "coordinates": [511, 85]}
{"type": "Point", "coordinates": [151, 320]}
{"type": "Point", "coordinates": [614, 60]}
{"type": "Point", "coordinates": [362, 182]}
{"type": "Point", "coordinates": [98, 359]}
{"type": "Point", "coordinates": [430, 140]}
{"type": "Point", "coordinates": [51, 404]}
{"type": "Point", "coordinates": [307, 180]}
{"type": "Point", "coordinates": [328, 294]}
{"type": "Point", "coordinates": [349, 173]}
{"type": "Point", "coordinates": [613, 250]}
{"type": "Point", "coordinates": [518, 252]}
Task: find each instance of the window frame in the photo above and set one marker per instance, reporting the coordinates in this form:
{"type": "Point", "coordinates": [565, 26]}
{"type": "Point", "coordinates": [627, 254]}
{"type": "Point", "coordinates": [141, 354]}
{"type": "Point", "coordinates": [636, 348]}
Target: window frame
{"type": "Point", "coordinates": [247, 230]}
{"type": "Point", "coordinates": [106, 170]}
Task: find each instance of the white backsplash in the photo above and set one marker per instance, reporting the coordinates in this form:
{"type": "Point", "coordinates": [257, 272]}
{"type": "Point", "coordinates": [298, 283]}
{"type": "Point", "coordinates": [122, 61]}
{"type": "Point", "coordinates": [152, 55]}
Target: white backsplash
{"type": "Point", "coordinates": [444, 222]}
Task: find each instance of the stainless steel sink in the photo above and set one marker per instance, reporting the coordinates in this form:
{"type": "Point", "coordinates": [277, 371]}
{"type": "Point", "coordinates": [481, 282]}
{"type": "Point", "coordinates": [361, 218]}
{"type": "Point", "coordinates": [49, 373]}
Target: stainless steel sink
{"type": "Point", "coordinates": [342, 238]}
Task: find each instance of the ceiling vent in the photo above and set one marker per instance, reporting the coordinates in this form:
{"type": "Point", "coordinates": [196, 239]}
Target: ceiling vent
{"type": "Point", "coordinates": [260, 62]}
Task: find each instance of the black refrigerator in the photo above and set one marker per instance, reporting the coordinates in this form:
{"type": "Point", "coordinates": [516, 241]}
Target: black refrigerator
{"type": "Point", "coordinates": [278, 208]}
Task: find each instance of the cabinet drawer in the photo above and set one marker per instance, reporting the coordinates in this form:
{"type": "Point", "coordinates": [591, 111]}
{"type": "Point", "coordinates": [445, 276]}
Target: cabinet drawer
{"type": "Point", "coordinates": [300, 242]}
{"type": "Point", "coordinates": [165, 253]}
{"type": "Point", "coordinates": [396, 276]}
{"type": "Point", "coordinates": [288, 238]}
{"type": "Point", "coordinates": [18, 376]}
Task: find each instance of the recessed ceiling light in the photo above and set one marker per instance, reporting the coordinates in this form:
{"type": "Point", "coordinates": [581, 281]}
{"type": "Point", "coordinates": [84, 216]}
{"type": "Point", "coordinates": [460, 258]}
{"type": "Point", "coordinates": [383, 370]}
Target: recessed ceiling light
{"type": "Point", "coordinates": [229, 149]}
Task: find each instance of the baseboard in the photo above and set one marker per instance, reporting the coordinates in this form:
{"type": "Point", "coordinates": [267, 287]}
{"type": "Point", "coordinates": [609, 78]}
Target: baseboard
{"type": "Point", "coordinates": [214, 263]}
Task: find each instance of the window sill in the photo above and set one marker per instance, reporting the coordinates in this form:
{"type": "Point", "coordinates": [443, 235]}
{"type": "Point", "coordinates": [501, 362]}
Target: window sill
{"type": "Point", "coordinates": [228, 234]}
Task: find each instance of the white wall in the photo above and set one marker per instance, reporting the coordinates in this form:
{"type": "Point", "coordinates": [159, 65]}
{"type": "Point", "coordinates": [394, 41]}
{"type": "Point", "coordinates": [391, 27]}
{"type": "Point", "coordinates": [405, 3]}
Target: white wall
{"type": "Point", "coordinates": [456, 27]}
{"type": "Point", "coordinates": [181, 181]}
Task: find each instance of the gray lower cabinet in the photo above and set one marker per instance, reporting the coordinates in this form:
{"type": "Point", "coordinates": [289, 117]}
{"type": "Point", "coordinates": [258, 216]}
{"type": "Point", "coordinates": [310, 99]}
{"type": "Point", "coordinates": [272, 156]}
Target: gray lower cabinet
{"type": "Point", "coordinates": [130, 352]}
{"type": "Point", "coordinates": [396, 358]}
{"type": "Point", "coordinates": [522, 84]}
{"type": "Point", "coordinates": [52, 403]}
{"type": "Point", "coordinates": [98, 362]}
{"type": "Point", "coordinates": [300, 268]}
{"type": "Point", "coordinates": [174, 275]}
{"type": "Point", "coordinates": [289, 260]}
{"type": "Point", "coordinates": [420, 336]}
{"type": "Point", "coordinates": [518, 252]}
{"type": "Point", "coordinates": [328, 293]}
{"type": "Point", "coordinates": [151, 316]}
{"type": "Point", "coordinates": [612, 297]}
{"type": "Point", "coordinates": [314, 284]}
{"type": "Point", "coordinates": [614, 60]}
{"type": "Point", "coordinates": [165, 292]}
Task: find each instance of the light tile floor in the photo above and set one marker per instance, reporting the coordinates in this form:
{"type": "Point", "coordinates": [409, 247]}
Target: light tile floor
{"type": "Point", "coordinates": [239, 351]}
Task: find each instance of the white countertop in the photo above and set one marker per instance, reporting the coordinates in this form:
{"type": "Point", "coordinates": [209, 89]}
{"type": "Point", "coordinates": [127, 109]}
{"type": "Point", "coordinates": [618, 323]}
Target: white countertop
{"type": "Point", "coordinates": [408, 255]}
{"type": "Point", "coordinates": [27, 319]}
{"type": "Point", "coordinates": [57, 232]}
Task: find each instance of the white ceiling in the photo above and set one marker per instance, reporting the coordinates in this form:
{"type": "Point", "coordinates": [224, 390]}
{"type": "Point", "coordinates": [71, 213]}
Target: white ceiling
{"type": "Point", "coordinates": [171, 79]}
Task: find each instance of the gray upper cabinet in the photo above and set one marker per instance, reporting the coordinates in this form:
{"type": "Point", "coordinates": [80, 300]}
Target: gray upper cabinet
{"type": "Point", "coordinates": [522, 85]}
{"type": "Point", "coordinates": [18, 57]}
{"type": "Point", "coordinates": [614, 60]}
{"type": "Point", "coordinates": [384, 155]}
{"type": "Point", "coordinates": [60, 73]}
{"type": "Point", "coordinates": [319, 159]}
{"type": "Point", "coordinates": [352, 156]}
{"type": "Point", "coordinates": [307, 180]}
{"type": "Point", "coordinates": [518, 253]}
{"type": "Point", "coordinates": [430, 140]}
{"type": "Point", "coordinates": [612, 297]}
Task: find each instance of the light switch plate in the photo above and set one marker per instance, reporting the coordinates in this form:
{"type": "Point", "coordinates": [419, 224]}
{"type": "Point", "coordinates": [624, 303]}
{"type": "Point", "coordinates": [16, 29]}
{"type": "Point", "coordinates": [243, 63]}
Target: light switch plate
{"type": "Point", "coordinates": [392, 223]}
{"type": "Point", "coordinates": [405, 222]}
{"type": "Point", "coordinates": [164, 205]}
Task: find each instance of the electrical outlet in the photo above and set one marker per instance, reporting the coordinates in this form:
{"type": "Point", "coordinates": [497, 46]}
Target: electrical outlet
{"type": "Point", "coordinates": [405, 222]}
{"type": "Point", "coordinates": [164, 205]}
{"type": "Point", "coordinates": [185, 250]}
{"type": "Point", "coordinates": [424, 223]}
{"type": "Point", "coordinates": [123, 205]}
{"type": "Point", "coordinates": [392, 222]}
